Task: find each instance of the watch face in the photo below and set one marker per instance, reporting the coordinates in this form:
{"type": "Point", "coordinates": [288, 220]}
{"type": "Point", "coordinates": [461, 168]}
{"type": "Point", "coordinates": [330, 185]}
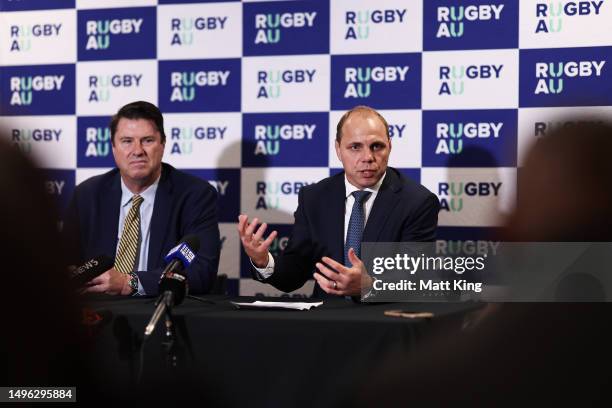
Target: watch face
{"type": "Point", "coordinates": [134, 281]}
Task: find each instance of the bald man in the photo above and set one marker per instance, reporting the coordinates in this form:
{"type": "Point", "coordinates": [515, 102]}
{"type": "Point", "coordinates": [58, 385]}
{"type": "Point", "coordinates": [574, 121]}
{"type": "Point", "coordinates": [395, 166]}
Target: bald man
{"type": "Point", "coordinates": [367, 202]}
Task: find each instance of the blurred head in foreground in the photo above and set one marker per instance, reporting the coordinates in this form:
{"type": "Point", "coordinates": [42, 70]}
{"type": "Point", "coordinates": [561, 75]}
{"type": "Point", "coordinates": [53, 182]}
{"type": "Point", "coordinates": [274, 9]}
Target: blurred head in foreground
{"type": "Point", "coordinates": [565, 187]}
{"type": "Point", "coordinates": [514, 354]}
{"type": "Point", "coordinates": [40, 336]}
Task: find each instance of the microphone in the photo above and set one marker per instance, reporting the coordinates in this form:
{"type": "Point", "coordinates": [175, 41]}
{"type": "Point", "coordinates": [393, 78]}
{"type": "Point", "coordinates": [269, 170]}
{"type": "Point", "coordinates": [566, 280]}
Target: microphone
{"type": "Point", "coordinates": [178, 259]}
{"type": "Point", "coordinates": [173, 282]}
{"type": "Point", "coordinates": [91, 269]}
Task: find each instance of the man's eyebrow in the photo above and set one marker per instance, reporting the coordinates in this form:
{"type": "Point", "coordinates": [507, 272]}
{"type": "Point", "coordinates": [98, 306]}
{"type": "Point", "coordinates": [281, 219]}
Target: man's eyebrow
{"type": "Point", "coordinates": [136, 137]}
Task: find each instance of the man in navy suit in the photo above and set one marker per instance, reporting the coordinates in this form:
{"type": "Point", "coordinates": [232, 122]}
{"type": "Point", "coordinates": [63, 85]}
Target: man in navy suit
{"type": "Point", "coordinates": [138, 211]}
{"type": "Point", "coordinates": [368, 202]}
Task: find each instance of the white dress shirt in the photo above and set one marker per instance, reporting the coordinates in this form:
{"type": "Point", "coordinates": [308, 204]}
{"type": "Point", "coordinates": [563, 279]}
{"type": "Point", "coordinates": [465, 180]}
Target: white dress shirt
{"type": "Point", "coordinates": [349, 200]}
{"type": "Point", "coordinates": [146, 212]}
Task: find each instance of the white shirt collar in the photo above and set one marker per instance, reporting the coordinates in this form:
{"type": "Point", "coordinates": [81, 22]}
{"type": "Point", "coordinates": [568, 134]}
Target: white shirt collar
{"type": "Point", "coordinates": [148, 194]}
{"type": "Point", "coordinates": [349, 188]}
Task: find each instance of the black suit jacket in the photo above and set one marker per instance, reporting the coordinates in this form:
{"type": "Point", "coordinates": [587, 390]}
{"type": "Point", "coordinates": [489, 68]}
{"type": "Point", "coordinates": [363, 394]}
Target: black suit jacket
{"type": "Point", "coordinates": [184, 204]}
{"type": "Point", "coordinates": [403, 211]}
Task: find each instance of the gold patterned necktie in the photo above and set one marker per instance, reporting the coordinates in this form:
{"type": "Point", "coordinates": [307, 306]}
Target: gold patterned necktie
{"type": "Point", "coordinates": [128, 244]}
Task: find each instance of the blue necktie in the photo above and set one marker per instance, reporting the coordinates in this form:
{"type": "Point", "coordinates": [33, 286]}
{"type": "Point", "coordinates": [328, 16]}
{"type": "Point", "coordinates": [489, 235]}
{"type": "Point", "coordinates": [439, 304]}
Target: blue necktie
{"type": "Point", "coordinates": [355, 227]}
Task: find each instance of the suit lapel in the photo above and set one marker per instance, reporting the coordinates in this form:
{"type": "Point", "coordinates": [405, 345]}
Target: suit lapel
{"type": "Point", "coordinates": [160, 216]}
{"type": "Point", "coordinates": [386, 200]}
{"type": "Point", "coordinates": [109, 216]}
{"type": "Point", "coordinates": [335, 207]}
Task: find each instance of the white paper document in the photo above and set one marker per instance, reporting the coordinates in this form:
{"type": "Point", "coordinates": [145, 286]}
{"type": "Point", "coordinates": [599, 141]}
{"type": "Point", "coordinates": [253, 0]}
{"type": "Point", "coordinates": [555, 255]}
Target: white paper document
{"type": "Point", "coordinates": [258, 304]}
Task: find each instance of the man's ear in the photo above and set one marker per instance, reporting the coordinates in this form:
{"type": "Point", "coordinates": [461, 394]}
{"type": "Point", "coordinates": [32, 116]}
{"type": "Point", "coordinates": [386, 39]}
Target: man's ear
{"type": "Point", "coordinates": [163, 143]}
{"type": "Point", "coordinates": [337, 145]}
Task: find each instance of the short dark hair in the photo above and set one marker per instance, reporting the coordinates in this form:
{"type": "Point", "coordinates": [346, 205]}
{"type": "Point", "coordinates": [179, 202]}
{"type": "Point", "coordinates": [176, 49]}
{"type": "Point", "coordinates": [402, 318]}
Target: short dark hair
{"type": "Point", "coordinates": [139, 110]}
{"type": "Point", "coordinates": [360, 109]}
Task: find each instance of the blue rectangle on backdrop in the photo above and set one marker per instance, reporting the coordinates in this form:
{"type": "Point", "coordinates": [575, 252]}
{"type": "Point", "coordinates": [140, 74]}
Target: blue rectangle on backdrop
{"type": "Point", "coordinates": [286, 27]}
{"type": "Point", "coordinates": [470, 25]}
{"type": "Point", "coordinates": [37, 90]}
{"type": "Point", "coordinates": [117, 33]}
{"type": "Point", "coordinates": [382, 81]}
{"type": "Point", "coordinates": [200, 85]}
{"type": "Point", "coordinates": [464, 237]}
{"type": "Point", "coordinates": [566, 77]}
{"type": "Point", "coordinates": [278, 246]}
{"type": "Point", "coordinates": [470, 138]}
{"type": "Point", "coordinates": [412, 174]}
{"type": "Point", "coordinates": [227, 184]}
{"type": "Point", "coordinates": [60, 185]}
{"type": "Point", "coordinates": [285, 139]}
{"type": "Point", "coordinates": [94, 147]}
{"type": "Point", "coordinates": [22, 5]}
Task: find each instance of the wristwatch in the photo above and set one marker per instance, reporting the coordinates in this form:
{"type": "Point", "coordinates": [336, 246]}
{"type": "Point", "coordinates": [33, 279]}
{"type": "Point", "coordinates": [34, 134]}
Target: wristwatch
{"type": "Point", "coordinates": [133, 282]}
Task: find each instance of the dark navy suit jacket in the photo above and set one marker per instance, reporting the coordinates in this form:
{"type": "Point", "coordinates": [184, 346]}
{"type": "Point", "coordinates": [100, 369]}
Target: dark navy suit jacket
{"type": "Point", "coordinates": [184, 204]}
{"type": "Point", "coordinates": [403, 211]}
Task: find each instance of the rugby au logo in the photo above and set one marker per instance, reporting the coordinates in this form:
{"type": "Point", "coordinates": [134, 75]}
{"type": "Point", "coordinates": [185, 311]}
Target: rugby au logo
{"type": "Point", "coordinates": [97, 140]}
{"type": "Point", "coordinates": [268, 137]}
{"type": "Point", "coordinates": [183, 83]}
{"type": "Point", "coordinates": [99, 31]}
{"type": "Point", "coordinates": [450, 135]}
{"type": "Point", "coordinates": [550, 75]}
{"type": "Point", "coordinates": [451, 194]}
{"type": "Point", "coordinates": [183, 28]}
{"type": "Point", "coordinates": [451, 18]}
{"type": "Point", "coordinates": [21, 87]}
{"type": "Point", "coordinates": [269, 25]}
{"type": "Point", "coordinates": [269, 192]}
{"type": "Point", "coordinates": [453, 77]}
{"type": "Point", "coordinates": [270, 81]}
{"type": "Point", "coordinates": [359, 21]}
{"type": "Point", "coordinates": [358, 79]}
{"type": "Point", "coordinates": [550, 15]}
{"type": "Point", "coordinates": [21, 35]}
{"type": "Point", "coordinates": [100, 85]}
{"type": "Point", "coordinates": [23, 138]}
{"type": "Point", "coordinates": [182, 138]}
{"type": "Point", "coordinates": [542, 128]}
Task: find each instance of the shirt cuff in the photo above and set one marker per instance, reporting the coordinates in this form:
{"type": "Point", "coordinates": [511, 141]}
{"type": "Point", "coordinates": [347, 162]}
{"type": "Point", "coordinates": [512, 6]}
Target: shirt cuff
{"type": "Point", "coordinates": [141, 291]}
{"type": "Point", "coordinates": [266, 272]}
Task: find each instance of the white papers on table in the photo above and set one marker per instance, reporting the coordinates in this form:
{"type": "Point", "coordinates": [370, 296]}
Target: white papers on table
{"type": "Point", "coordinates": [258, 304]}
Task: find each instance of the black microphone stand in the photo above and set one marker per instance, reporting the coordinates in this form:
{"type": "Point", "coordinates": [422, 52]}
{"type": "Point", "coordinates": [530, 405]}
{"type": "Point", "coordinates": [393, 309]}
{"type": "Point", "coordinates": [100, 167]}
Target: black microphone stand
{"type": "Point", "coordinates": [173, 288]}
{"type": "Point", "coordinates": [169, 344]}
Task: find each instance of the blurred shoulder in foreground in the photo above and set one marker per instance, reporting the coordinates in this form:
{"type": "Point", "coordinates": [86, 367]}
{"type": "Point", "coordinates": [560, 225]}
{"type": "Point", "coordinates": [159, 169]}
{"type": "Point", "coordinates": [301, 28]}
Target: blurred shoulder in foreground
{"type": "Point", "coordinates": [41, 336]}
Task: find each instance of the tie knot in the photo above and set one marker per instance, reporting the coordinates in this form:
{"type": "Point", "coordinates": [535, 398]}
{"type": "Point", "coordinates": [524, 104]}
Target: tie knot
{"type": "Point", "coordinates": [361, 195]}
{"type": "Point", "coordinates": [137, 200]}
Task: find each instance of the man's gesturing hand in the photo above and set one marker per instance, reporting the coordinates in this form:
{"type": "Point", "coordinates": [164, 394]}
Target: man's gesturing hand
{"type": "Point", "coordinates": [337, 279]}
{"type": "Point", "coordinates": [252, 241]}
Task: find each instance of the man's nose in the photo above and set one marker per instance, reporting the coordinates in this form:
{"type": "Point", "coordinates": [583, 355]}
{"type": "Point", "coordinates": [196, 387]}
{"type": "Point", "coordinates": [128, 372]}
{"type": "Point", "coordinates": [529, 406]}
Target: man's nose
{"type": "Point", "coordinates": [368, 155]}
{"type": "Point", "coordinates": [138, 150]}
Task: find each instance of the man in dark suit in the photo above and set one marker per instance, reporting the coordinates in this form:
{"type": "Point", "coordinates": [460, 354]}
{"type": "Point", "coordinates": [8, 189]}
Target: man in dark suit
{"type": "Point", "coordinates": [138, 211]}
{"type": "Point", "coordinates": [368, 202]}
